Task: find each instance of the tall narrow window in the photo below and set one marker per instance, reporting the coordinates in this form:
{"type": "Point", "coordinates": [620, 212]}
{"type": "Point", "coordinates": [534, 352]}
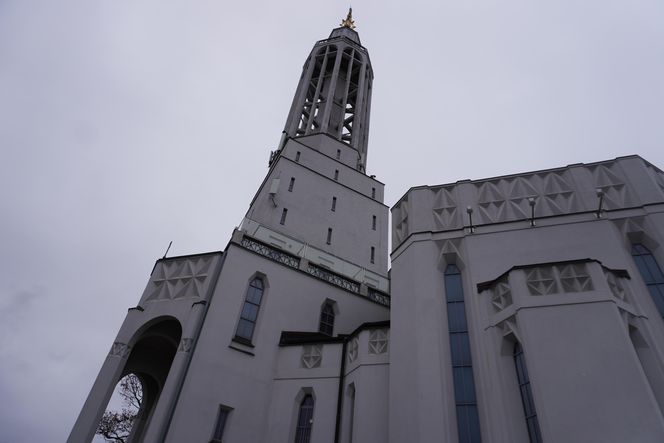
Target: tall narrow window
{"type": "Point", "coordinates": [305, 420]}
{"type": "Point", "coordinates": [291, 184]}
{"type": "Point", "coordinates": [338, 154]}
{"type": "Point", "coordinates": [284, 213]}
{"type": "Point", "coordinates": [326, 325]}
{"type": "Point", "coordinates": [526, 395]}
{"type": "Point", "coordinates": [219, 426]}
{"type": "Point", "coordinates": [297, 156]}
{"type": "Point", "coordinates": [252, 302]}
{"type": "Point", "coordinates": [373, 222]}
{"type": "Point", "coordinates": [468, 422]}
{"type": "Point", "coordinates": [373, 254]}
{"type": "Point", "coordinates": [373, 192]}
{"type": "Point", "coordinates": [334, 204]}
{"type": "Point", "coordinates": [329, 236]}
{"type": "Point", "coordinates": [336, 174]}
{"type": "Point", "coordinates": [651, 273]}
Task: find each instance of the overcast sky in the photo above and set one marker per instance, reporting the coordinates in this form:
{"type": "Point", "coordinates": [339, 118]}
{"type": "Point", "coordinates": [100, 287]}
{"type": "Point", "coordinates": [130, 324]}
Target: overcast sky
{"type": "Point", "coordinates": [127, 124]}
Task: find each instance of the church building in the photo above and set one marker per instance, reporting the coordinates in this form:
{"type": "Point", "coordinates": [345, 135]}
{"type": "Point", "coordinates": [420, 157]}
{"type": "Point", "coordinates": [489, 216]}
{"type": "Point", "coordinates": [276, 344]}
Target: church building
{"type": "Point", "coordinates": [514, 309]}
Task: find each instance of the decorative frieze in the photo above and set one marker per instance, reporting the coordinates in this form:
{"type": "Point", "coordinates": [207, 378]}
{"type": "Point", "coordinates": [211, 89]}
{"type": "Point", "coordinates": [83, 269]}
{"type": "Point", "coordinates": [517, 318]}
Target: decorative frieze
{"type": "Point", "coordinates": [335, 279]}
{"type": "Point", "coordinates": [270, 252]}
{"type": "Point", "coordinates": [378, 297]}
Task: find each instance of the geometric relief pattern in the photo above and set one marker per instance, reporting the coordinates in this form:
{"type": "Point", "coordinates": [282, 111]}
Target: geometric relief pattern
{"type": "Point", "coordinates": [353, 348]}
{"type": "Point", "coordinates": [509, 327]}
{"type": "Point", "coordinates": [574, 277]}
{"type": "Point", "coordinates": [558, 197]}
{"type": "Point", "coordinates": [571, 277]}
{"type": "Point", "coordinates": [659, 177]}
{"type": "Point", "coordinates": [501, 295]}
{"type": "Point", "coordinates": [182, 278]}
{"type": "Point", "coordinates": [449, 252]}
{"type": "Point", "coordinates": [312, 356]}
{"type": "Point", "coordinates": [508, 198]}
{"type": "Point", "coordinates": [634, 230]}
{"type": "Point", "coordinates": [186, 344]}
{"type": "Point", "coordinates": [612, 184]}
{"type": "Point", "coordinates": [119, 350]}
{"type": "Point", "coordinates": [400, 221]}
{"type": "Point", "coordinates": [378, 341]}
{"type": "Point", "coordinates": [615, 284]}
{"type": "Point", "coordinates": [541, 281]}
{"type": "Point", "coordinates": [444, 208]}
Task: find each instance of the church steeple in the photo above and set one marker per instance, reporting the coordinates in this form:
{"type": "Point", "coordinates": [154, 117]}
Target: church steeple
{"type": "Point", "coordinates": [333, 96]}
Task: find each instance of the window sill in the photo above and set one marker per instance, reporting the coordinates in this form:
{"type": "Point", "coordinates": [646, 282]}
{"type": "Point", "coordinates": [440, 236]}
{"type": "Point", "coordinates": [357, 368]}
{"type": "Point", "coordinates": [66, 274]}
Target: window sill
{"type": "Point", "coordinates": [242, 341]}
{"type": "Point", "coordinates": [242, 345]}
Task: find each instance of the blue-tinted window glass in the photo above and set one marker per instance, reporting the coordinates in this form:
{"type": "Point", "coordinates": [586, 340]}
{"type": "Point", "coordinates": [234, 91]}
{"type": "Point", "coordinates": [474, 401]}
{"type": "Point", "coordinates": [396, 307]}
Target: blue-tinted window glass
{"type": "Point", "coordinates": [651, 274]}
{"type": "Point", "coordinates": [460, 349]}
{"type": "Point", "coordinates": [249, 314]}
{"type": "Point", "coordinates": [453, 289]}
{"type": "Point", "coordinates": [464, 386]}
{"type": "Point", "coordinates": [326, 324]}
{"type": "Point", "coordinates": [305, 420]}
{"type": "Point", "coordinates": [456, 314]}
{"type": "Point", "coordinates": [526, 395]}
{"type": "Point", "coordinates": [468, 423]}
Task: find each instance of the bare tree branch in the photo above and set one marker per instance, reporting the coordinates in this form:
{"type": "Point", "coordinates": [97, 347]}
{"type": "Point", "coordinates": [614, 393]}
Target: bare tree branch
{"type": "Point", "coordinates": [116, 426]}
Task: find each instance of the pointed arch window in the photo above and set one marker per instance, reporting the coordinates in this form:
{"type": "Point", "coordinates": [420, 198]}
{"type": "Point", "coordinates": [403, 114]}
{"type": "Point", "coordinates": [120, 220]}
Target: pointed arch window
{"type": "Point", "coordinates": [305, 419]}
{"type": "Point", "coordinates": [526, 395]}
{"type": "Point", "coordinates": [326, 325]}
{"type": "Point", "coordinates": [249, 314]}
{"type": "Point", "coordinates": [468, 422]}
{"type": "Point", "coordinates": [651, 273]}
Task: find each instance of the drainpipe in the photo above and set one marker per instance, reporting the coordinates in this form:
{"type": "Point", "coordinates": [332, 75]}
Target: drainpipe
{"type": "Point", "coordinates": [340, 394]}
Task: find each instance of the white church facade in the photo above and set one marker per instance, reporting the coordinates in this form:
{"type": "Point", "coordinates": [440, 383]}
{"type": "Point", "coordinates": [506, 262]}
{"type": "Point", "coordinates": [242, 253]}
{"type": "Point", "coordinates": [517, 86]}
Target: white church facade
{"type": "Point", "coordinates": [523, 308]}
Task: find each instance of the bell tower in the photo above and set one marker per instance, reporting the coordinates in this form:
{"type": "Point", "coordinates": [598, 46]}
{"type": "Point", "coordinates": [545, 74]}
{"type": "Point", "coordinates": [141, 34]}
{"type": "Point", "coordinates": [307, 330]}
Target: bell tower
{"type": "Point", "coordinates": [334, 93]}
{"type": "Point", "coordinates": [216, 340]}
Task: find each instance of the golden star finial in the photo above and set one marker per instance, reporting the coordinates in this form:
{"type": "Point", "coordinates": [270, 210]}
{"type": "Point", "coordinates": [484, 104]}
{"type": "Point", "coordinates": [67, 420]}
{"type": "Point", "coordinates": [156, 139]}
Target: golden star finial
{"type": "Point", "coordinates": [348, 21]}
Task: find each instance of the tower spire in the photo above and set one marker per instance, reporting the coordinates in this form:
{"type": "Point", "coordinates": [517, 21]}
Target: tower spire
{"type": "Point", "coordinates": [348, 21]}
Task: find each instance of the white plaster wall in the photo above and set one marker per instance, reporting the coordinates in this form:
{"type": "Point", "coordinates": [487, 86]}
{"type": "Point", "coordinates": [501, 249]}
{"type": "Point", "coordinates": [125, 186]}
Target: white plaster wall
{"type": "Point", "coordinates": [221, 375]}
{"type": "Point", "coordinates": [309, 209]}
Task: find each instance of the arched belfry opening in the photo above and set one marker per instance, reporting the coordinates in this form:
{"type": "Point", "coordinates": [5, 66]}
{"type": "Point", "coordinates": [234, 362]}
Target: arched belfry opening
{"type": "Point", "coordinates": [149, 361]}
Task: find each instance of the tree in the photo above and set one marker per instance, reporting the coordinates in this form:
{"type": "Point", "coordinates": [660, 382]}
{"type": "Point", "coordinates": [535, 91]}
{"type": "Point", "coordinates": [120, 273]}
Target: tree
{"type": "Point", "coordinates": [115, 426]}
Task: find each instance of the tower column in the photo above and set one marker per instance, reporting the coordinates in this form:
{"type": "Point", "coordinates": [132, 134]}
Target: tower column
{"type": "Point", "coordinates": [160, 421]}
{"type": "Point", "coordinates": [329, 100]}
{"type": "Point", "coordinates": [86, 425]}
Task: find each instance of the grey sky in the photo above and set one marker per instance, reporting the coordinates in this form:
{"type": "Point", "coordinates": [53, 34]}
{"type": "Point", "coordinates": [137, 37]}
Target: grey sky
{"type": "Point", "coordinates": [127, 124]}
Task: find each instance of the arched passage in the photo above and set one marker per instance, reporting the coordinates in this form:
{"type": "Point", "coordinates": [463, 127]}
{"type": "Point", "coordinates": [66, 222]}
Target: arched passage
{"type": "Point", "coordinates": [150, 361]}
